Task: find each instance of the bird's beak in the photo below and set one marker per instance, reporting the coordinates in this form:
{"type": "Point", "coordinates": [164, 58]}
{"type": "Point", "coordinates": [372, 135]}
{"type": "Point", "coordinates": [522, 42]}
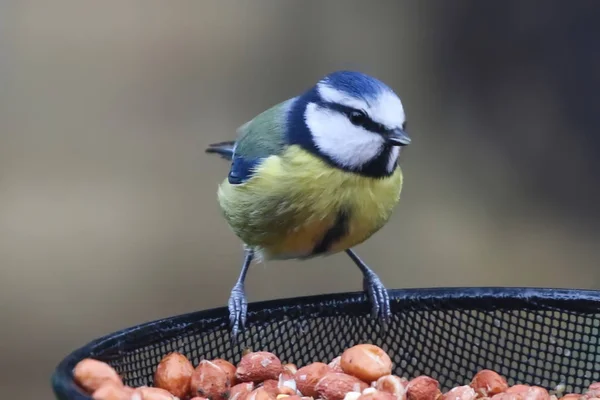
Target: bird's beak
{"type": "Point", "coordinates": [397, 137]}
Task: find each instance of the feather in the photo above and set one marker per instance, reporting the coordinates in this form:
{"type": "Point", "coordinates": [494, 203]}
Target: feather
{"type": "Point", "coordinates": [224, 149]}
{"type": "Point", "coordinates": [300, 207]}
{"type": "Point", "coordinates": [260, 138]}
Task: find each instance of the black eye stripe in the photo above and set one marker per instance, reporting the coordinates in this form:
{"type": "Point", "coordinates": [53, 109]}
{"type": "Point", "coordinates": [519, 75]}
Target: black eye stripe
{"type": "Point", "coordinates": [368, 123]}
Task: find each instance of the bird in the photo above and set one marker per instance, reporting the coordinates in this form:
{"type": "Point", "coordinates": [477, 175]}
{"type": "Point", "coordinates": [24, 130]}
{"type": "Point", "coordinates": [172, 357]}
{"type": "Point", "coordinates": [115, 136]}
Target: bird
{"type": "Point", "coordinates": [315, 175]}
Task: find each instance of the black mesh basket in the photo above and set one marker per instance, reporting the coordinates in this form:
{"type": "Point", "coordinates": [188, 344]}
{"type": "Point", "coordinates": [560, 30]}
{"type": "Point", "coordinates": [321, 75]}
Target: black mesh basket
{"type": "Point", "coordinates": [544, 337]}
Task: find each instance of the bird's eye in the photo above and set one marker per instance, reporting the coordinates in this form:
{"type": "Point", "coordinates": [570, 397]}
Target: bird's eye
{"type": "Point", "coordinates": [404, 126]}
{"type": "Point", "coordinates": [357, 117]}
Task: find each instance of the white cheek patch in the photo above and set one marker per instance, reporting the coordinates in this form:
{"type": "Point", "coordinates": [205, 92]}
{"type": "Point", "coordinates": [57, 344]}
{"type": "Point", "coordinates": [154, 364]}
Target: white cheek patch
{"type": "Point", "coordinates": [393, 159]}
{"type": "Point", "coordinates": [334, 135]}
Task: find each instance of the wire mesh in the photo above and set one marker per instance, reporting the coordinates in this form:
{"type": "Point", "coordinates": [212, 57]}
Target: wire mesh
{"type": "Point", "coordinates": [543, 337]}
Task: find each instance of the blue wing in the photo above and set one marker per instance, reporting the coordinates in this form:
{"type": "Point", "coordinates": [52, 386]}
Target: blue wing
{"type": "Point", "coordinates": [242, 169]}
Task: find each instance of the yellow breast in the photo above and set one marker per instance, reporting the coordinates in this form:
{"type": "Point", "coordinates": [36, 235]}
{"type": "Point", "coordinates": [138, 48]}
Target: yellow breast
{"type": "Point", "coordinates": [293, 200]}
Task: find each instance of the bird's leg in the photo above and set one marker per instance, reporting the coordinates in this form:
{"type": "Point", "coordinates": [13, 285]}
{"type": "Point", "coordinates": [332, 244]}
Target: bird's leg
{"type": "Point", "coordinates": [378, 295]}
{"type": "Point", "coordinates": [238, 305]}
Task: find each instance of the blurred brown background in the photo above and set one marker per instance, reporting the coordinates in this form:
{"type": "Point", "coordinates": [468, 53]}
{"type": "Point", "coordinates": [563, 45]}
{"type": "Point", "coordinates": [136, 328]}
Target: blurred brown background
{"type": "Point", "coordinates": [108, 213]}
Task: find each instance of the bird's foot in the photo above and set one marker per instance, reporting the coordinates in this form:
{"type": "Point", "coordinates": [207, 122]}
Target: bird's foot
{"type": "Point", "coordinates": [378, 295]}
{"type": "Point", "coordinates": [238, 307]}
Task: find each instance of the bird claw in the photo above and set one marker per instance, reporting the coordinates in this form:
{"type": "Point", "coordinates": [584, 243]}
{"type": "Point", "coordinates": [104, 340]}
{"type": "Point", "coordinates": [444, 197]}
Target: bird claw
{"type": "Point", "coordinates": [238, 308]}
{"type": "Point", "coordinates": [378, 295]}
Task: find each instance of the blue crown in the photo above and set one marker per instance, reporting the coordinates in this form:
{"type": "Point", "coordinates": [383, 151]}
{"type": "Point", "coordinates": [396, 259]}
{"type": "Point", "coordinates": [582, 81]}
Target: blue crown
{"type": "Point", "coordinates": [356, 84]}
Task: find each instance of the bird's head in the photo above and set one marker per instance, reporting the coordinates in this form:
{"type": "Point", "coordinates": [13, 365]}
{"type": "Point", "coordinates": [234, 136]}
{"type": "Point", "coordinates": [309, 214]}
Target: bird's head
{"type": "Point", "coordinates": [356, 122]}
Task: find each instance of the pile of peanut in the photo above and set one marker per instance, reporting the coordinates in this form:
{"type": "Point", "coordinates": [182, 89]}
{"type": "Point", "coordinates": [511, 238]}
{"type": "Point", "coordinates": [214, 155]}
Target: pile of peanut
{"type": "Point", "coordinates": [362, 372]}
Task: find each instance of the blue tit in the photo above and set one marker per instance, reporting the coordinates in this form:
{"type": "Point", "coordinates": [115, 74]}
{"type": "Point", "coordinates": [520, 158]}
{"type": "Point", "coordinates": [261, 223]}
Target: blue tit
{"type": "Point", "coordinates": [315, 175]}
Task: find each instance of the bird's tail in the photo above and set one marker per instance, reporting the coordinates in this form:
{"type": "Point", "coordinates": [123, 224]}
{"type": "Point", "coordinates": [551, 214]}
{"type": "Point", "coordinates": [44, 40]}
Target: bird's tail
{"type": "Point", "coordinates": [224, 149]}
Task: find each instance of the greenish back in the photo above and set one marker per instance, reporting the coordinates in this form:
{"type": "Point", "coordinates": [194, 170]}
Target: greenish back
{"type": "Point", "coordinates": [264, 135]}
